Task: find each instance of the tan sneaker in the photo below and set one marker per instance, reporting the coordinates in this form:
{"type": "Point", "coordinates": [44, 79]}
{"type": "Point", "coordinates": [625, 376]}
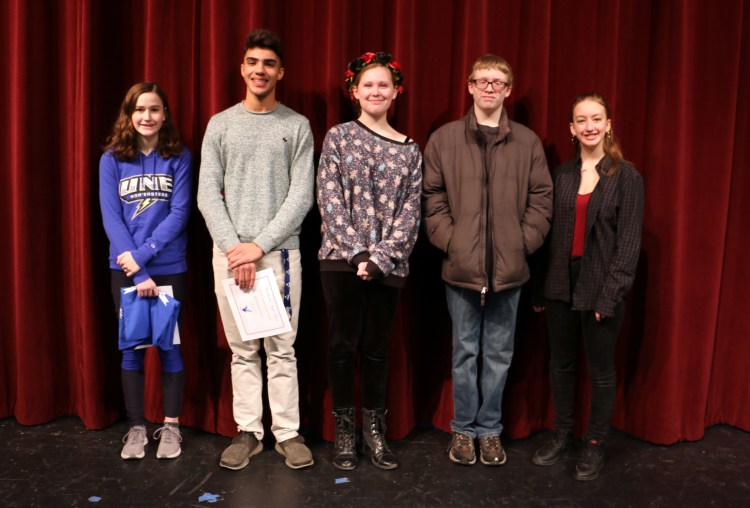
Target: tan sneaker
{"type": "Point", "coordinates": [461, 450]}
{"type": "Point", "coordinates": [237, 455]}
{"type": "Point", "coordinates": [297, 454]}
{"type": "Point", "coordinates": [491, 451]}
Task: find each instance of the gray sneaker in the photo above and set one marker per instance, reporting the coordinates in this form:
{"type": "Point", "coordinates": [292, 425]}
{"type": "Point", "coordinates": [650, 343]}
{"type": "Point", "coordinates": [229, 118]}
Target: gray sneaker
{"type": "Point", "coordinates": [297, 454]}
{"type": "Point", "coordinates": [135, 440]}
{"type": "Point", "coordinates": [169, 442]}
{"type": "Point", "coordinates": [237, 455]}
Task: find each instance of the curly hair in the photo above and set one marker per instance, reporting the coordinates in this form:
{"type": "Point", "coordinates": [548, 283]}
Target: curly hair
{"type": "Point", "coordinates": [356, 68]}
{"type": "Point", "coordinates": [123, 140]}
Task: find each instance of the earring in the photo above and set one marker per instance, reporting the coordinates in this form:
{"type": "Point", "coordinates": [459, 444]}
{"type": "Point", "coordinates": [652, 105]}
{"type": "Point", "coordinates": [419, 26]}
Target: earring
{"type": "Point", "coordinates": [572, 139]}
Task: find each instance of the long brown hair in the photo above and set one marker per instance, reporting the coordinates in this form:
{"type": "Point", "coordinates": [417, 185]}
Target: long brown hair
{"type": "Point", "coordinates": [612, 147]}
{"type": "Point", "coordinates": [123, 141]}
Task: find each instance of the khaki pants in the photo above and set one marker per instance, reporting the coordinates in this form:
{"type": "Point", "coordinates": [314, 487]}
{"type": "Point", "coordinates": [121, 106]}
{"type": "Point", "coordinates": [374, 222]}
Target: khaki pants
{"type": "Point", "coordinates": [247, 382]}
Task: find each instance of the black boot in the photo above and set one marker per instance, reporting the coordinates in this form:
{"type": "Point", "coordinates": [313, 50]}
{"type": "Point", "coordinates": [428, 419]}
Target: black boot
{"type": "Point", "coordinates": [558, 443]}
{"type": "Point", "coordinates": [345, 457]}
{"type": "Point", "coordinates": [590, 462]}
{"type": "Point", "coordinates": [373, 434]}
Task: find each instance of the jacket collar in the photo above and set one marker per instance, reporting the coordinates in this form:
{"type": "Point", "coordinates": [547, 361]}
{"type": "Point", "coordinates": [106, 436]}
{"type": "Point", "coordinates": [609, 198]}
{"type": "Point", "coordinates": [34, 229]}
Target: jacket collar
{"type": "Point", "coordinates": [472, 128]}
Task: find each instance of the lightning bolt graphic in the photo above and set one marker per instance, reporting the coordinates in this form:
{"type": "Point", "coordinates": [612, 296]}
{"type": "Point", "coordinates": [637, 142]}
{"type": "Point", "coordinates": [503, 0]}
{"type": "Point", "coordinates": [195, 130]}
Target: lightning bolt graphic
{"type": "Point", "coordinates": [142, 206]}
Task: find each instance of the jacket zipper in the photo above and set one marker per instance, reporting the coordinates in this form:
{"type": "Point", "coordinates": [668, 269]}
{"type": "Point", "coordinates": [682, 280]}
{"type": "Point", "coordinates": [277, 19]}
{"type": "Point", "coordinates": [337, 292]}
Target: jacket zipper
{"type": "Point", "coordinates": [485, 288]}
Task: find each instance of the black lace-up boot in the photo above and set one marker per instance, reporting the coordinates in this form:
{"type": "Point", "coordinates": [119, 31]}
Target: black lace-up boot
{"type": "Point", "coordinates": [373, 434]}
{"type": "Point", "coordinates": [345, 457]}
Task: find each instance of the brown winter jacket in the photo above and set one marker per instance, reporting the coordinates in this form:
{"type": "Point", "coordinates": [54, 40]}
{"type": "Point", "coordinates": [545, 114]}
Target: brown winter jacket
{"type": "Point", "coordinates": [459, 198]}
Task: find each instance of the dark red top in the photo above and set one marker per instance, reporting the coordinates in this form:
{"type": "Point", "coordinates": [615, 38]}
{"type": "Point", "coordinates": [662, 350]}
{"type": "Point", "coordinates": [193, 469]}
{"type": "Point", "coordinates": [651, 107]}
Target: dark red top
{"type": "Point", "coordinates": [579, 229]}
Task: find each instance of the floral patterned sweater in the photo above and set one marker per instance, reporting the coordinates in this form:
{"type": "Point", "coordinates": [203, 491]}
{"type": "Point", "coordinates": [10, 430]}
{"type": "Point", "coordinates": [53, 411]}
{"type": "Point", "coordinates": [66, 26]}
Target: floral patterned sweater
{"type": "Point", "coordinates": [368, 190]}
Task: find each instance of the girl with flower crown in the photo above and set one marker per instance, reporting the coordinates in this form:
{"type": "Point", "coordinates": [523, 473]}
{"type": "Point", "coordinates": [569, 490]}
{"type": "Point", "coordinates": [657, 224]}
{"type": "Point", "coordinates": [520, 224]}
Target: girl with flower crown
{"type": "Point", "coordinates": [368, 193]}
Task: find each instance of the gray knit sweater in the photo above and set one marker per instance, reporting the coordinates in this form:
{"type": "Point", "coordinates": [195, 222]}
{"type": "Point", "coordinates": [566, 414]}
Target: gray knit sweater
{"type": "Point", "coordinates": [256, 177]}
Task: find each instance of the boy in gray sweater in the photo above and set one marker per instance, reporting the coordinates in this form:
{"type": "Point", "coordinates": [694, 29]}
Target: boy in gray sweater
{"type": "Point", "coordinates": [254, 190]}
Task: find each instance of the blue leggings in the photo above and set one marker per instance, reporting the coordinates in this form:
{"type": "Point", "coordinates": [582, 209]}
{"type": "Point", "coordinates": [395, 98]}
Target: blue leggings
{"type": "Point", "coordinates": [171, 361]}
{"type": "Point", "coordinates": [172, 375]}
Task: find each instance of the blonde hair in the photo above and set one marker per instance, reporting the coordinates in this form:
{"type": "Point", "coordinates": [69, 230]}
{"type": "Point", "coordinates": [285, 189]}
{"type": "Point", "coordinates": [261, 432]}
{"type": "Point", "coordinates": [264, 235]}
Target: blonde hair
{"type": "Point", "coordinates": [491, 61]}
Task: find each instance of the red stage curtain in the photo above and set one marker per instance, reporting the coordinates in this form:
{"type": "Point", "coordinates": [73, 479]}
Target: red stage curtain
{"type": "Point", "coordinates": [681, 101]}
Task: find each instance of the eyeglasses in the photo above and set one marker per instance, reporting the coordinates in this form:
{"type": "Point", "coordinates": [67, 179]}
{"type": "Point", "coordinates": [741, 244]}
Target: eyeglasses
{"type": "Point", "coordinates": [497, 86]}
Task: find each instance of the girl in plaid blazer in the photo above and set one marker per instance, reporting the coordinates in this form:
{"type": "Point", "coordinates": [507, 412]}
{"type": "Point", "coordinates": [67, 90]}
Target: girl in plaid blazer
{"type": "Point", "coordinates": [594, 246]}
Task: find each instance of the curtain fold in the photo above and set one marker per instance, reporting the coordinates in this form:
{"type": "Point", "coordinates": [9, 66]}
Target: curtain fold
{"type": "Point", "coordinates": [672, 71]}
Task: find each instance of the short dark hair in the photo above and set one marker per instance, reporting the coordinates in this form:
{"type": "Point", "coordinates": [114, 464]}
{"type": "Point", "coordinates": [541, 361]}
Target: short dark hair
{"type": "Point", "coordinates": [266, 39]}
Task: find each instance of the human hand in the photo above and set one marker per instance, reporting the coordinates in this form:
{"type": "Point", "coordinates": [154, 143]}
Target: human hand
{"type": "Point", "coordinates": [362, 271]}
{"type": "Point", "coordinates": [599, 316]}
{"type": "Point", "coordinates": [128, 264]}
{"type": "Point", "coordinates": [147, 288]}
{"type": "Point", "coordinates": [243, 253]}
{"type": "Point", "coordinates": [244, 276]}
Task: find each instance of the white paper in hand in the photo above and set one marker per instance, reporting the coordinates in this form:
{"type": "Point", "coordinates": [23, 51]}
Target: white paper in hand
{"type": "Point", "coordinates": [260, 311]}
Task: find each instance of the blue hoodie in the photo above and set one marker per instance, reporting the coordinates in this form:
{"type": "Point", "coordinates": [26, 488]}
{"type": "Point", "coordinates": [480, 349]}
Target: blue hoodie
{"type": "Point", "coordinates": [145, 208]}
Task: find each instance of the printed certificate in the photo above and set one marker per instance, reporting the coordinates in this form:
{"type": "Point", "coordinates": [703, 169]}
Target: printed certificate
{"type": "Point", "coordinates": [168, 290]}
{"type": "Point", "coordinates": [260, 311]}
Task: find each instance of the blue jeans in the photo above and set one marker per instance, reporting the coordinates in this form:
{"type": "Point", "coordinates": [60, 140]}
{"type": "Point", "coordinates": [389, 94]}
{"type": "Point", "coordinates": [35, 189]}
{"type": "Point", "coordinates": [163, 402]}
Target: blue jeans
{"type": "Point", "coordinates": [487, 331]}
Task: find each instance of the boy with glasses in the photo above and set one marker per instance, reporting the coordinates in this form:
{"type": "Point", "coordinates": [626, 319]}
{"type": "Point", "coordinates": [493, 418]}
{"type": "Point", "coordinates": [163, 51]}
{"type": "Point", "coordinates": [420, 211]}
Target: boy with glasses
{"type": "Point", "coordinates": [487, 204]}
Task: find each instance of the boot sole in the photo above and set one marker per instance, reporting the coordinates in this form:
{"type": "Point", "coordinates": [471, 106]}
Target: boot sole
{"type": "Point", "coordinates": [383, 467]}
{"type": "Point", "coordinates": [580, 478]}
{"type": "Point", "coordinates": [548, 462]}
{"type": "Point", "coordinates": [344, 468]}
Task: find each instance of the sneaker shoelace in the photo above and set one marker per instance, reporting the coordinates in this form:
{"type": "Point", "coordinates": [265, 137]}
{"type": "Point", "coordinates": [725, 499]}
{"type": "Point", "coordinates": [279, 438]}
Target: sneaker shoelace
{"type": "Point", "coordinates": [492, 442]}
{"type": "Point", "coordinates": [134, 435]}
{"type": "Point", "coordinates": [167, 434]}
{"type": "Point", "coordinates": [463, 441]}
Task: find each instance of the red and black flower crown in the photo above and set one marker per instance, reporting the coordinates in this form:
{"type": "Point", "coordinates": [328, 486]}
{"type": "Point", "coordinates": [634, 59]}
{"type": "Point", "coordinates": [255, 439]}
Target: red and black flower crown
{"type": "Point", "coordinates": [382, 58]}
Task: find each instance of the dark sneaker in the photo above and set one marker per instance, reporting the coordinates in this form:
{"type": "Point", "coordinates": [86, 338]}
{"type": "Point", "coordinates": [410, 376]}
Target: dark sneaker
{"type": "Point", "coordinates": [461, 450]}
{"type": "Point", "coordinates": [135, 440]}
{"type": "Point", "coordinates": [237, 455]}
{"type": "Point", "coordinates": [559, 442]}
{"type": "Point", "coordinates": [169, 442]}
{"type": "Point", "coordinates": [590, 462]}
{"type": "Point", "coordinates": [491, 451]}
{"type": "Point", "coordinates": [297, 454]}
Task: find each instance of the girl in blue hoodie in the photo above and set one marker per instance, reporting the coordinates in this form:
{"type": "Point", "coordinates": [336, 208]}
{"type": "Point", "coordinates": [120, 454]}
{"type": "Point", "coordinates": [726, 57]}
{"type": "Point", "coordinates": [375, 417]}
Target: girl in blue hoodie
{"type": "Point", "coordinates": [144, 192]}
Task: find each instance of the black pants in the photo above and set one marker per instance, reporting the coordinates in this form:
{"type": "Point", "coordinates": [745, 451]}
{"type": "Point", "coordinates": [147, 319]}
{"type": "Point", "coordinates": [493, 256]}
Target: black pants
{"type": "Point", "coordinates": [599, 339]}
{"type": "Point", "coordinates": [360, 317]}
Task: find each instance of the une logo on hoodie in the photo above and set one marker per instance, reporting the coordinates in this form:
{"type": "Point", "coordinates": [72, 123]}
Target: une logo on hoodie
{"type": "Point", "coordinates": [146, 190]}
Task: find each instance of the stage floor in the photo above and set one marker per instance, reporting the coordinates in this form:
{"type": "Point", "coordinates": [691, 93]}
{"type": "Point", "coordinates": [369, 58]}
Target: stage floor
{"type": "Point", "coordinates": [63, 464]}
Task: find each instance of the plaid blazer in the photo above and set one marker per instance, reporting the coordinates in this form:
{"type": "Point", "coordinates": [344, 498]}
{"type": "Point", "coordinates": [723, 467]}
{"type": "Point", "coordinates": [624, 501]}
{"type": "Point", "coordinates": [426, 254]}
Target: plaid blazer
{"type": "Point", "coordinates": [612, 241]}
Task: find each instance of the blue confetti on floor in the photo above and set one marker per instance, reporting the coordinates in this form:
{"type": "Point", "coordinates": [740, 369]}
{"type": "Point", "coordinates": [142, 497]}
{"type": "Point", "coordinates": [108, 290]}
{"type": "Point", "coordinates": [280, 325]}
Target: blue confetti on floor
{"type": "Point", "coordinates": [94, 499]}
{"type": "Point", "coordinates": [207, 496]}
{"type": "Point", "coordinates": [342, 480]}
